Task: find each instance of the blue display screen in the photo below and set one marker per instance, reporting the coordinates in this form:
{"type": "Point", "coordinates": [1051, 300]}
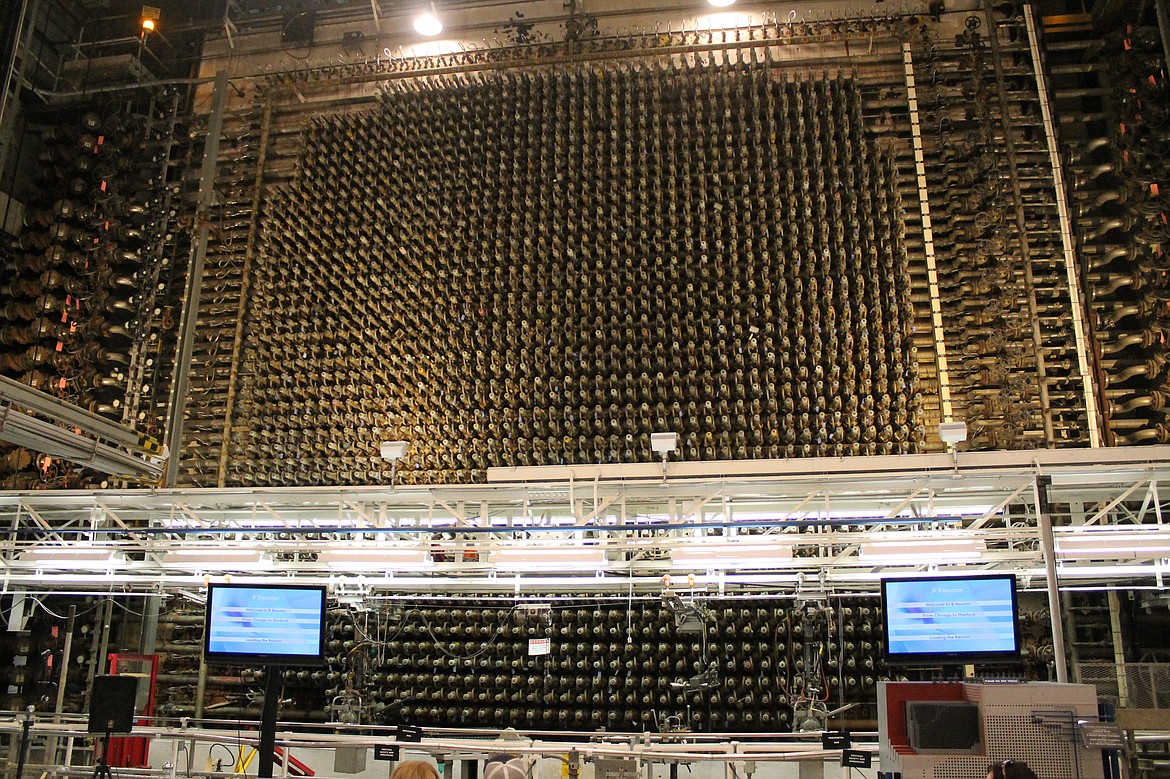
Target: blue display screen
{"type": "Point", "coordinates": [953, 618]}
{"type": "Point", "coordinates": [265, 623]}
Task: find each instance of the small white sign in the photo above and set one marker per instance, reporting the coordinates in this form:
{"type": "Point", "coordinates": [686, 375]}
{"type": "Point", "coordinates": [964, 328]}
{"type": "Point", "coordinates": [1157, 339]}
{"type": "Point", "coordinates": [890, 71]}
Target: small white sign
{"type": "Point", "coordinates": [539, 646]}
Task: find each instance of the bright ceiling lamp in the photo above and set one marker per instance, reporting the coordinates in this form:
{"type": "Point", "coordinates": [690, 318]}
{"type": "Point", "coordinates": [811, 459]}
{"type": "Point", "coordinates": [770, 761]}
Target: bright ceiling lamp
{"type": "Point", "coordinates": [215, 559]}
{"type": "Point", "coordinates": [921, 551]}
{"type": "Point", "coordinates": [721, 3]}
{"type": "Point", "coordinates": [71, 558]}
{"type": "Point", "coordinates": [725, 554]}
{"type": "Point", "coordinates": [541, 557]}
{"type": "Point", "coordinates": [150, 16]}
{"type": "Point", "coordinates": [374, 558]}
{"type": "Point", "coordinates": [428, 23]}
{"type": "Point", "coordinates": [1112, 545]}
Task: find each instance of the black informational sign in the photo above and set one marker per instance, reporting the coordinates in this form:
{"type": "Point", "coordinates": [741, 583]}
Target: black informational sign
{"type": "Point", "coordinates": [853, 758]}
{"type": "Point", "coordinates": [1102, 735]}
{"type": "Point", "coordinates": [836, 739]}
{"type": "Point", "coordinates": [411, 733]}
{"type": "Point", "coordinates": [387, 751]}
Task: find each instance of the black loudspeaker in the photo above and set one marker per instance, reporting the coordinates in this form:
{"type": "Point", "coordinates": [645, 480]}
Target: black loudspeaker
{"type": "Point", "coordinates": [943, 726]}
{"type": "Point", "coordinates": [111, 706]}
{"type": "Point", "coordinates": [298, 27]}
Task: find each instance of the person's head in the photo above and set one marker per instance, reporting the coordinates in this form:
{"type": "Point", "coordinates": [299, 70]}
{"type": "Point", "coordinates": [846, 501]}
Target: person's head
{"type": "Point", "coordinates": [1010, 769]}
{"type": "Point", "coordinates": [504, 767]}
{"type": "Point", "coordinates": [415, 769]}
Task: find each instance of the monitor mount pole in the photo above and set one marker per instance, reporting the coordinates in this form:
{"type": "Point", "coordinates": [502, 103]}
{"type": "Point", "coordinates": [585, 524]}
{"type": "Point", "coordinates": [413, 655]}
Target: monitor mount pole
{"type": "Point", "coordinates": [273, 687]}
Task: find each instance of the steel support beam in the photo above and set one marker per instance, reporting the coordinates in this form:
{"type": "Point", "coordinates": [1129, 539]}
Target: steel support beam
{"type": "Point", "coordinates": [182, 372]}
{"type": "Point", "coordinates": [1021, 220]}
{"type": "Point", "coordinates": [9, 69]}
{"type": "Point", "coordinates": [1162, 7]}
{"type": "Point", "coordinates": [245, 287]}
{"type": "Point", "coordinates": [1085, 362]}
{"type": "Point", "coordinates": [1048, 545]}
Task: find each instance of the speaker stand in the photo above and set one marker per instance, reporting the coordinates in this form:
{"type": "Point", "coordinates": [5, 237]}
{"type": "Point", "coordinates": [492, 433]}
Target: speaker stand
{"type": "Point", "coordinates": [25, 741]}
{"type": "Point", "coordinates": [101, 768]}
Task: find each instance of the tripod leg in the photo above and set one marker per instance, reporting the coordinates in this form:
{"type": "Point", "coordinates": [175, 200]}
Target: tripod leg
{"type": "Point", "coordinates": [101, 768]}
{"type": "Point", "coordinates": [25, 742]}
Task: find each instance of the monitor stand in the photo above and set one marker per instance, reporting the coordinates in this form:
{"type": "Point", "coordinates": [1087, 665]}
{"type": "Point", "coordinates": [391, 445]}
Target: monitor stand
{"type": "Point", "coordinates": [949, 673]}
{"type": "Point", "coordinates": [273, 687]}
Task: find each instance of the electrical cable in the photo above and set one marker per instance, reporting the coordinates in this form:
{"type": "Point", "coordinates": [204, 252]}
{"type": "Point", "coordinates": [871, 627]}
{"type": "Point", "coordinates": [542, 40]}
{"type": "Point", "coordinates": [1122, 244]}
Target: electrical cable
{"type": "Point", "coordinates": [127, 609]}
{"type": "Point", "coordinates": [224, 747]}
{"type": "Point", "coordinates": [40, 604]}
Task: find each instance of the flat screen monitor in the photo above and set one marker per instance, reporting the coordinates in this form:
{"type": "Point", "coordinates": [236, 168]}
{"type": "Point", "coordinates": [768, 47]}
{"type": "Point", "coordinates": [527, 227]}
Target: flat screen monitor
{"type": "Point", "coordinates": [265, 624]}
{"type": "Point", "coordinates": [951, 619]}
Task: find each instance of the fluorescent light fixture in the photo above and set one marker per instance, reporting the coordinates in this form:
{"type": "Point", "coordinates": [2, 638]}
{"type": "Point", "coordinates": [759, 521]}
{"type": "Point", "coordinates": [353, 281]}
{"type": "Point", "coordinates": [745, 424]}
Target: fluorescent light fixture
{"type": "Point", "coordinates": [952, 432]}
{"type": "Point", "coordinates": [392, 450]}
{"type": "Point", "coordinates": [725, 554]}
{"type": "Point", "coordinates": [72, 558]}
{"type": "Point", "coordinates": [534, 557]}
{"type": "Point", "coordinates": [428, 24]}
{"type": "Point", "coordinates": [379, 558]}
{"type": "Point", "coordinates": [664, 443]}
{"type": "Point", "coordinates": [1112, 544]}
{"type": "Point", "coordinates": [210, 559]}
{"type": "Point", "coordinates": [921, 551]}
{"type": "Point", "coordinates": [721, 3]}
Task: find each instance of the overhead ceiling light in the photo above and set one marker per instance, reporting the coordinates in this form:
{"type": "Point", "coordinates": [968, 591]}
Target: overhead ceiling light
{"type": "Point", "coordinates": [727, 554]}
{"type": "Point", "coordinates": [380, 558]}
{"type": "Point", "coordinates": [150, 16]}
{"type": "Point", "coordinates": [1112, 544]}
{"type": "Point", "coordinates": [912, 551]}
{"type": "Point", "coordinates": [217, 559]}
{"type": "Point", "coordinates": [428, 24]}
{"type": "Point", "coordinates": [952, 432]}
{"type": "Point", "coordinates": [392, 450]}
{"type": "Point", "coordinates": [71, 558]}
{"type": "Point", "coordinates": [664, 443]}
{"type": "Point", "coordinates": [532, 557]}
{"type": "Point", "coordinates": [721, 3]}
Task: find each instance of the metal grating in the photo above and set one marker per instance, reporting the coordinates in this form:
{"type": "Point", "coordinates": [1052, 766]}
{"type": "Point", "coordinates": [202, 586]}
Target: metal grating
{"type": "Point", "coordinates": [1047, 751]}
{"type": "Point", "coordinates": [1130, 685]}
{"type": "Point", "coordinates": [1046, 747]}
